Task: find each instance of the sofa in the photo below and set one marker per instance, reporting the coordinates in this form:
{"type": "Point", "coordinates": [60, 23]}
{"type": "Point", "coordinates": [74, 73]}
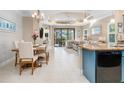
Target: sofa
{"type": "Point", "coordinates": [73, 44]}
{"type": "Point", "coordinates": [76, 44]}
{"type": "Point", "coordinates": [69, 43]}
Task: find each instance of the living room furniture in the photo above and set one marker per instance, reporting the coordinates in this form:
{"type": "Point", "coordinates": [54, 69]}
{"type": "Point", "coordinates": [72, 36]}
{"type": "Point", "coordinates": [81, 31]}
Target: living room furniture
{"type": "Point", "coordinates": [76, 45]}
{"type": "Point", "coordinates": [69, 43]}
{"type": "Point", "coordinates": [26, 55]}
{"type": "Point", "coordinates": [73, 44]}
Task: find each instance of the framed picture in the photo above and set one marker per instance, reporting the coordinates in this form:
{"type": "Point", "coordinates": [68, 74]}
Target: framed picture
{"type": "Point", "coordinates": [112, 28]}
{"type": "Point", "coordinates": [85, 31]}
{"type": "Point", "coordinates": [120, 27]}
{"type": "Point", "coordinates": [123, 24]}
{"type": "Point", "coordinates": [96, 30]}
{"type": "Point", "coordinates": [85, 34]}
{"type": "Point", "coordinates": [46, 34]}
{"type": "Point", "coordinates": [6, 25]}
{"type": "Point", "coordinates": [112, 38]}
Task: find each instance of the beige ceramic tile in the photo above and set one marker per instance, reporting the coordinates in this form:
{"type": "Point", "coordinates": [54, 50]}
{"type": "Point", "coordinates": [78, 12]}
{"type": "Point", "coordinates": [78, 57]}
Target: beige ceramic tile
{"type": "Point", "coordinates": [63, 67]}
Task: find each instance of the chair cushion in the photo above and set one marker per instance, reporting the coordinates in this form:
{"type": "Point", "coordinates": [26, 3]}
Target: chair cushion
{"type": "Point", "coordinates": [35, 57]}
{"type": "Point", "coordinates": [42, 55]}
{"type": "Point", "coordinates": [30, 59]}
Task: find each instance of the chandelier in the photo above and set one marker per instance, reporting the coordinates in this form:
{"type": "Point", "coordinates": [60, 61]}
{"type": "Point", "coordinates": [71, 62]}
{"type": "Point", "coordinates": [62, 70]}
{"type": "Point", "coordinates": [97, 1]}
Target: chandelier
{"type": "Point", "coordinates": [37, 15]}
{"type": "Point", "coordinates": [85, 17]}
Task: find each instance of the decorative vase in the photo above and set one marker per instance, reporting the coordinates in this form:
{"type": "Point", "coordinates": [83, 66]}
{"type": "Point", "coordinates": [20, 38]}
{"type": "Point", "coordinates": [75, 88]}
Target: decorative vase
{"type": "Point", "coordinates": [34, 41]}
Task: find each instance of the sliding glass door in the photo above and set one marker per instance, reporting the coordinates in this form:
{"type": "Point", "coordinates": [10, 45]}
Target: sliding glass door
{"type": "Point", "coordinates": [61, 35]}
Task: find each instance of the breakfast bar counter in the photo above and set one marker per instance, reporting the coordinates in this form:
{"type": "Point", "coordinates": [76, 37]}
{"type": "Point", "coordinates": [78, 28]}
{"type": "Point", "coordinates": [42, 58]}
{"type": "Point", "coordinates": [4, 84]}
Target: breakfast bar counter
{"type": "Point", "coordinates": [103, 64]}
{"type": "Point", "coordinates": [102, 47]}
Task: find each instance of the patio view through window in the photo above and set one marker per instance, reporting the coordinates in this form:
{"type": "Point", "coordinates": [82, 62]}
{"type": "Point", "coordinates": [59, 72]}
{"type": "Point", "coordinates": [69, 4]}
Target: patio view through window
{"type": "Point", "coordinates": [61, 35]}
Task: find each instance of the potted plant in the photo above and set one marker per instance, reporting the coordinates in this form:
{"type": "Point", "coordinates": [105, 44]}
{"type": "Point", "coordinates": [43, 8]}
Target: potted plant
{"type": "Point", "coordinates": [34, 36]}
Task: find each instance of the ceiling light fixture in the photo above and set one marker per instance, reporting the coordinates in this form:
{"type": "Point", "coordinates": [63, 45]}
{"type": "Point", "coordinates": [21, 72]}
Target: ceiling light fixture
{"type": "Point", "coordinates": [112, 19]}
{"type": "Point", "coordinates": [92, 22]}
{"type": "Point", "coordinates": [37, 15]}
{"type": "Point", "coordinates": [85, 15]}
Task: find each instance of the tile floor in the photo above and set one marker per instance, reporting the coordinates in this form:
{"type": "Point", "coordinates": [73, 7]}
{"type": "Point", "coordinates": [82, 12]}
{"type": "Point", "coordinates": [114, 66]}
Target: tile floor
{"type": "Point", "coordinates": [63, 67]}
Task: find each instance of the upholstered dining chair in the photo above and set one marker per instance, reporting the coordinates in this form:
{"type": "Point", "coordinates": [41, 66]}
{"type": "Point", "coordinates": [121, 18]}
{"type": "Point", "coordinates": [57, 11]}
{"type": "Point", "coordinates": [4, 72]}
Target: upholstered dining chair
{"type": "Point", "coordinates": [16, 47]}
{"type": "Point", "coordinates": [16, 53]}
{"type": "Point", "coordinates": [26, 55]}
{"type": "Point", "coordinates": [43, 55]}
{"type": "Point", "coordinates": [16, 44]}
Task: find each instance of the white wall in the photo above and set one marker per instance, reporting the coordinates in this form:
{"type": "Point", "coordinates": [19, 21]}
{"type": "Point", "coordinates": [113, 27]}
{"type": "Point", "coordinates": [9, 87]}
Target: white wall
{"type": "Point", "coordinates": [7, 38]}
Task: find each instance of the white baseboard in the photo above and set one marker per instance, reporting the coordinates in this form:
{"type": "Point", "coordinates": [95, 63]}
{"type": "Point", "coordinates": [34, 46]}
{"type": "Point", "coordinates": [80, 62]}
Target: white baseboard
{"type": "Point", "coordinates": [7, 61]}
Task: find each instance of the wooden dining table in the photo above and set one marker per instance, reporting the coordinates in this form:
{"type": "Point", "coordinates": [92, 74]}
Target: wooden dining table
{"type": "Point", "coordinates": [36, 49]}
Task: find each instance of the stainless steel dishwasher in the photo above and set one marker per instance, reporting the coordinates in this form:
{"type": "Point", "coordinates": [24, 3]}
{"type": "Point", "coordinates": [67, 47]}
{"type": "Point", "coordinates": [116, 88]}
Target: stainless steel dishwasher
{"type": "Point", "coordinates": [108, 67]}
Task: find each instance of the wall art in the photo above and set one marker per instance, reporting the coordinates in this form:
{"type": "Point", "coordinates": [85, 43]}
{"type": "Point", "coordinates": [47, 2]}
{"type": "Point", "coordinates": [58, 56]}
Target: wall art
{"type": "Point", "coordinates": [6, 25]}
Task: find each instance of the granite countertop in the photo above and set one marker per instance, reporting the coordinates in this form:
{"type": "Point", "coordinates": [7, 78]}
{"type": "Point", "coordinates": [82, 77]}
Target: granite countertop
{"type": "Point", "coordinates": [101, 47]}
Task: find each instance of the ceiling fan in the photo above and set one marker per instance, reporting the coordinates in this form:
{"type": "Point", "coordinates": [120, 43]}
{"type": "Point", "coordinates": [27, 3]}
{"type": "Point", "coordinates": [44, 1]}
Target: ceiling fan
{"type": "Point", "coordinates": [87, 17]}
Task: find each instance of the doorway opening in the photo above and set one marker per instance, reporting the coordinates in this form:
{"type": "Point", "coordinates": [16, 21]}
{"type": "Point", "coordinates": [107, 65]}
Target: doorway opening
{"type": "Point", "coordinates": [61, 35]}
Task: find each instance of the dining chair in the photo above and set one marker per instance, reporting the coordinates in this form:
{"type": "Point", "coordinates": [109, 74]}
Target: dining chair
{"type": "Point", "coordinates": [16, 53]}
{"type": "Point", "coordinates": [21, 40]}
{"type": "Point", "coordinates": [43, 55]}
{"type": "Point", "coordinates": [16, 47]}
{"type": "Point", "coordinates": [26, 55]}
{"type": "Point", "coordinates": [16, 44]}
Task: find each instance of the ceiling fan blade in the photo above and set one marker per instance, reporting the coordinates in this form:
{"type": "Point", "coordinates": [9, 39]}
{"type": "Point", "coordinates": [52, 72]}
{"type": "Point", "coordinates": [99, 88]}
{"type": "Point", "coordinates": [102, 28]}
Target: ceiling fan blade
{"type": "Point", "coordinates": [89, 17]}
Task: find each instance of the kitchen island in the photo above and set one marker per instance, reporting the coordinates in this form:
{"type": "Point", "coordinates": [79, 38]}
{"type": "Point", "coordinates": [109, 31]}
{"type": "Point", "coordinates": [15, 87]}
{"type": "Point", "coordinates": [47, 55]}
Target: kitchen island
{"type": "Point", "coordinates": [103, 64]}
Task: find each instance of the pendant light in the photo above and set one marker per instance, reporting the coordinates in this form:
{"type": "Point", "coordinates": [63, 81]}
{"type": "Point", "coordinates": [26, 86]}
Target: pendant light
{"type": "Point", "coordinates": [37, 15]}
{"type": "Point", "coordinates": [112, 19]}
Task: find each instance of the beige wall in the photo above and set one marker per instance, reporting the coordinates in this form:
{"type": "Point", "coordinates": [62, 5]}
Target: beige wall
{"type": "Point", "coordinates": [7, 38]}
{"type": "Point", "coordinates": [101, 23]}
{"type": "Point", "coordinates": [27, 28]}
{"type": "Point", "coordinates": [118, 16]}
{"type": "Point", "coordinates": [78, 33]}
{"type": "Point", "coordinates": [30, 25]}
{"type": "Point", "coordinates": [51, 35]}
{"type": "Point", "coordinates": [104, 26]}
{"type": "Point", "coordinates": [104, 22]}
{"type": "Point", "coordinates": [118, 19]}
